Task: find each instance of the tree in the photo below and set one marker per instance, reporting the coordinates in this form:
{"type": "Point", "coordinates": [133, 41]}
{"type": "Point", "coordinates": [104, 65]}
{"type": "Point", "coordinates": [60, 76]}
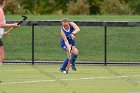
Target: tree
{"type": "Point", "coordinates": [45, 6]}
{"type": "Point", "coordinates": [80, 7]}
{"type": "Point", "coordinates": [15, 8]}
{"type": "Point", "coordinates": [74, 7]}
{"type": "Point", "coordinates": [134, 4]}
{"type": "Point", "coordinates": [94, 6]}
{"type": "Point", "coordinates": [115, 7]}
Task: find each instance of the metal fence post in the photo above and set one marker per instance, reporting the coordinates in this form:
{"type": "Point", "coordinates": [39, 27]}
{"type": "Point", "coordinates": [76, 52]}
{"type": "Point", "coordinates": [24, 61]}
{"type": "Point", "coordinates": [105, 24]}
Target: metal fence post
{"type": "Point", "coordinates": [105, 45]}
{"type": "Point", "coordinates": [33, 44]}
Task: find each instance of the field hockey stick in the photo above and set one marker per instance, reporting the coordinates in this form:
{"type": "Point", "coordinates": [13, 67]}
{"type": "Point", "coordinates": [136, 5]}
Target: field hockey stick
{"type": "Point", "coordinates": [69, 58]}
{"type": "Point", "coordinates": [69, 53]}
{"type": "Point", "coordinates": [12, 28]}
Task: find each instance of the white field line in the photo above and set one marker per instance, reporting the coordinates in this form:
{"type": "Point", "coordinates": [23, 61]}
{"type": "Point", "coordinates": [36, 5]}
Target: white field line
{"type": "Point", "coordinates": [39, 81]}
{"type": "Point", "coordinates": [53, 80]}
{"type": "Point", "coordinates": [3, 70]}
{"type": "Point", "coordinates": [17, 70]}
{"type": "Point", "coordinates": [137, 81]}
{"type": "Point", "coordinates": [136, 75]}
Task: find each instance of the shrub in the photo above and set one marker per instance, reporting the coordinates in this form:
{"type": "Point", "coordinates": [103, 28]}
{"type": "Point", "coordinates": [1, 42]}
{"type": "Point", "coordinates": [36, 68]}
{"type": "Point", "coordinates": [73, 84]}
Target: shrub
{"type": "Point", "coordinates": [135, 4]}
{"type": "Point", "coordinates": [13, 7]}
{"type": "Point", "coordinates": [94, 6]}
{"type": "Point", "coordinates": [80, 7]}
{"type": "Point", "coordinates": [115, 7]}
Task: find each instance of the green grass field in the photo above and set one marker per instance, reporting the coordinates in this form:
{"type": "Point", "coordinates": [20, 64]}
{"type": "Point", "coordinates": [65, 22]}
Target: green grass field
{"type": "Point", "coordinates": [123, 45]}
{"type": "Point", "coordinates": [88, 79]}
{"type": "Point", "coordinates": [78, 17]}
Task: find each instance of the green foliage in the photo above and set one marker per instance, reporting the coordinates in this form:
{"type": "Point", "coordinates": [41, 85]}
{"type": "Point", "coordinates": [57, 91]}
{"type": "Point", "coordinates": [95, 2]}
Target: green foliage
{"type": "Point", "coordinates": [135, 4]}
{"type": "Point", "coordinates": [39, 7]}
{"type": "Point", "coordinates": [115, 7]}
{"type": "Point", "coordinates": [15, 8]}
{"type": "Point", "coordinates": [94, 6]}
{"type": "Point", "coordinates": [80, 7]}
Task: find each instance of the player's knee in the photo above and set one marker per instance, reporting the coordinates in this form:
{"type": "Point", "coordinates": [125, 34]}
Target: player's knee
{"type": "Point", "coordinates": [75, 52]}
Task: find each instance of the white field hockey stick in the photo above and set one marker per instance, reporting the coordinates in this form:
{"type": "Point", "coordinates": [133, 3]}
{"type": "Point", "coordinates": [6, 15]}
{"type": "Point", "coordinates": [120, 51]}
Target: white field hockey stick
{"type": "Point", "coordinates": [12, 28]}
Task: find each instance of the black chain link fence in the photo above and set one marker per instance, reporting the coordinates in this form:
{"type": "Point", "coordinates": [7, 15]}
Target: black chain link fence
{"type": "Point", "coordinates": [122, 43]}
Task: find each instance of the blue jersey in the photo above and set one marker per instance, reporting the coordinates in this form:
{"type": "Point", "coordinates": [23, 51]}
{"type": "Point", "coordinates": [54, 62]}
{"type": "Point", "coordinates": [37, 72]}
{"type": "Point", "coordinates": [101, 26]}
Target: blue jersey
{"type": "Point", "coordinates": [68, 35]}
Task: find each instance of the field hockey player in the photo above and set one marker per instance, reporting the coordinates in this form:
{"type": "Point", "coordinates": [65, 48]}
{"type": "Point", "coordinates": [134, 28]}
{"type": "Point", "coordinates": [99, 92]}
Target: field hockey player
{"type": "Point", "coordinates": [68, 33]}
{"type": "Point", "coordinates": [2, 26]}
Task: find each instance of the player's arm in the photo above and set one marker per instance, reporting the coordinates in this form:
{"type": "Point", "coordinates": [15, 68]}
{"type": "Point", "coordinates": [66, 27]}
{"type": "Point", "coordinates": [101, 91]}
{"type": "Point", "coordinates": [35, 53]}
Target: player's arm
{"type": "Point", "coordinates": [4, 25]}
{"type": "Point", "coordinates": [76, 28]}
{"type": "Point", "coordinates": [1, 18]}
{"type": "Point", "coordinates": [65, 40]}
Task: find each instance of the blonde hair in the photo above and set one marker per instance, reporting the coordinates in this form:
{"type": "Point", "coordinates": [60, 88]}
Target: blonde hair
{"type": "Point", "coordinates": [65, 20]}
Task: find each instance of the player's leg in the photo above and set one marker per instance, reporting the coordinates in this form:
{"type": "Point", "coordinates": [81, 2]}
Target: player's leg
{"type": "Point", "coordinates": [64, 64]}
{"type": "Point", "coordinates": [1, 52]}
{"type": "Point", "coordinates": [74, 57]}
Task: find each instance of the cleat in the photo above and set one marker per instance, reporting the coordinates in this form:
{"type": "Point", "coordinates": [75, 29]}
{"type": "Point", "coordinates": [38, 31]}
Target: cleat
{"type": "Point", "coordinates": [63, 71]}
{"type": "Point", "coordinates": [73, 68]}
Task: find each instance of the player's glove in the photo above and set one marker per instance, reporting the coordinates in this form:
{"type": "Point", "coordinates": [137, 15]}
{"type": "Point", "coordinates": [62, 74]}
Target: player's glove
{"type": "Point", "coordinates": [69, 36]}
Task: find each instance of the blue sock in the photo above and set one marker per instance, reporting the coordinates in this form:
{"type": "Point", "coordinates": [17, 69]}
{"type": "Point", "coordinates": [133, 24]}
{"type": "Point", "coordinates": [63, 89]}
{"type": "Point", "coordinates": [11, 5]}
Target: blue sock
{"type": "Point", "coordinates": [73, 58]}
{"type": "Point", "coordinates": [64, 65]}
